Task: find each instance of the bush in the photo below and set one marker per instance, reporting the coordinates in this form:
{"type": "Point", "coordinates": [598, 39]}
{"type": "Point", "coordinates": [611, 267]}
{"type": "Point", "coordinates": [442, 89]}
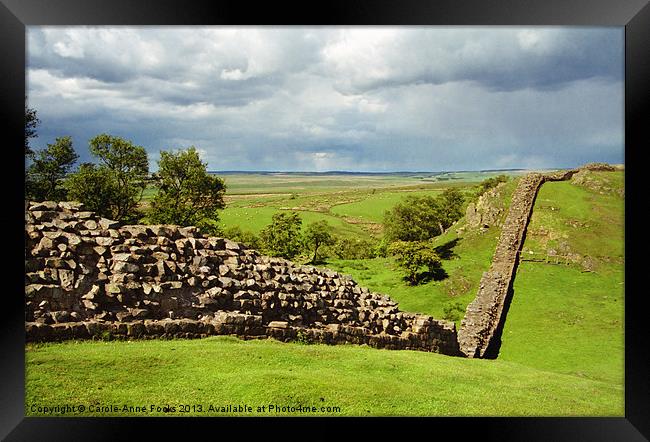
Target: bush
{"type": "Point", "coordinates": [348, 248]}
{"type": "Point", "coordinates": [453, 311]}
{"type": "Point", "coordinates": [248, 238]}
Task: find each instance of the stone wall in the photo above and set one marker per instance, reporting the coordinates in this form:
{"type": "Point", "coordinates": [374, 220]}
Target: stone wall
{"type": "Point", "coordinates": [480, 328]}
{"type": "Point", "coordinates": [89, 277]}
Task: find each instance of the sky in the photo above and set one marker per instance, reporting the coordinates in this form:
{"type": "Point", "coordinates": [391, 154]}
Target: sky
{"type": "Point", "coordinates": [370, 99]}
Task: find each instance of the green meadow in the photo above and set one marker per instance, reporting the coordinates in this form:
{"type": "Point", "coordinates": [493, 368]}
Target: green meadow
{"type": "Point", "coordinates": [562, 351]}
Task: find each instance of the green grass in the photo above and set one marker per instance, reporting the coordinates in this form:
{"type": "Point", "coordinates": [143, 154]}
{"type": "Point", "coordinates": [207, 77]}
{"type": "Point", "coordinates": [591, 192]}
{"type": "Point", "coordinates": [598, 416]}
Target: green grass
{"type": "Point", "coordinates": [464, 272]}
{"type": "Point", "coordinates": [562, 351]}
{"type": "Point", "coordinates": [354, 205]}
{"type": "Point", "coordinates": [362, 381]}
{"type": "Point", "coordinates": [567, 321]}
{"type": "Point", "coordinates": [372, 207]}
{"type": "Point", "coordinates": [563, 318]}
{"type": "Point", "coordinates": [470, 254]}
{"type": "Point", "coordinates": [256, 218]}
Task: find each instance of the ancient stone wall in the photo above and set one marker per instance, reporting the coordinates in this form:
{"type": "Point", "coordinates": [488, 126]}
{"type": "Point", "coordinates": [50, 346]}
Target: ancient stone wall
{"type": "Point", "coordinates": [484, 315]}
{"type": "Point", "coordinates": [89, 277]}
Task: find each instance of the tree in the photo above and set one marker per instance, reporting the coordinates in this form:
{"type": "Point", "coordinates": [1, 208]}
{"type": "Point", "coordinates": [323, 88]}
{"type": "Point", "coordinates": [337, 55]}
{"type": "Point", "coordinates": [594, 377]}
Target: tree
{"type": "Point", "coordinates": [94, 186]}
{"type": "Point", "coordinates": [31, 121]}
{"type": "Point", "coordinates": [411, 256]}
{"type": "Point", "coordinates": [318, 234]}
{"type": "Point", "coordinates": [415, 219]}
{"type": "Point", "coordinates": [125, 168]}
{"type": "Point", "coordinates": [450, 208]}
{"type": "Point", "coordinates": [282, 237]}
{"type": "Point", "coordinates": [424, 217]}
{"type": "Point", "coordinates": [187, 194]}
{"type": "Point", "coordinates": [49, 167]}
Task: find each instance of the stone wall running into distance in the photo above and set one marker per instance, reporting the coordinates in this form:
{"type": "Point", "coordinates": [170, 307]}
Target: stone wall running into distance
{"type": "Point", "coordinates": [87, 277]}
{"type": "Point", "coordinates": [480, 328]}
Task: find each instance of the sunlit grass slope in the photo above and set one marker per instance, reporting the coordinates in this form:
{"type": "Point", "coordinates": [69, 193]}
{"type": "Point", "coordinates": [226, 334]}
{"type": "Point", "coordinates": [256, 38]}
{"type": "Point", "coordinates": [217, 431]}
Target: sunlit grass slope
{"type": "Point", "coordinates": [569, 318]}
{"type": "Point", "coordinates": [466, 255]}
{"type": "Point", "coordinates": [361, 381]}
{"type": "Point", "coordinates": [562, 352]}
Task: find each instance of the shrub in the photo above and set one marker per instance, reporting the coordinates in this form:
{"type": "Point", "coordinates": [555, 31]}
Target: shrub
{"type": "Point", "coordinates": [248, 238]}
{"type": "Point", "coordinates": [348, 248]}
{"type": "Point", "coordinates": [453, 311]}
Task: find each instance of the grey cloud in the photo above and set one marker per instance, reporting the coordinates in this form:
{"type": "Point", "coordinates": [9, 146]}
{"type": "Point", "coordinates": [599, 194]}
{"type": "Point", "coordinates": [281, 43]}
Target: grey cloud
{"type": "Point", "coordinates": [423, 100]}
{"type": "Point", "coordinates": [495, 58]}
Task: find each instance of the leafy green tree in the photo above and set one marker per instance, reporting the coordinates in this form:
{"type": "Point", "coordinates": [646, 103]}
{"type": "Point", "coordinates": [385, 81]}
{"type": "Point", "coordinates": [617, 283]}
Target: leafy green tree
{"type": "Point", "coordinates": [318, 234]}
{"type": "Point", "coordinates": [414, 219]}
{"type": "Point", "coordinates": [187, 194]}
{"type": "Point", "coordinates": [419, 218]}
{"type": "Point", "coordinates": [450, 208]}
{"type": "Point", "coordinates": [282, 237]}
{"type": "Point", "coordinates": [31, 121]}
{"type": "Point", "coordinates": [124, 166]}
{"type": "Point", "coordinates": [411, 256]}
{"type": "Point", "coordinates": [94, 186]}
{"type": "Point", "coordinates": [44, 176]}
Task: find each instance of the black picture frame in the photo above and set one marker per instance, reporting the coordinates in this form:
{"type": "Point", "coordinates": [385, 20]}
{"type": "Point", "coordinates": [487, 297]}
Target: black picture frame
{"type": "Point", "coordinates": [634, 15]}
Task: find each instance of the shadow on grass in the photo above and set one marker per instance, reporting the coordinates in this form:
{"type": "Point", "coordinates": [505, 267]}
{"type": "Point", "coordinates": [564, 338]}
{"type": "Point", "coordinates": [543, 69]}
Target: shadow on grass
{"type": "Point", "coordinates": [437, 274]}
{"type": "Point", "coordinates": [446, 250]}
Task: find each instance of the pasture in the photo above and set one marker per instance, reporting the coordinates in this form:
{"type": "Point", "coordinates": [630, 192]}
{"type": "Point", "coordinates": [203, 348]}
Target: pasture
{"type": "Point", "coordinates": [562, 351]}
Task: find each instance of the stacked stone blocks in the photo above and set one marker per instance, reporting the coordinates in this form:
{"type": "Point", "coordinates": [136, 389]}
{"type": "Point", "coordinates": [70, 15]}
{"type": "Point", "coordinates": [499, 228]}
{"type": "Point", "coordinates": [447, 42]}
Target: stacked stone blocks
{"type": "Point", "coordinates": [89, 277]}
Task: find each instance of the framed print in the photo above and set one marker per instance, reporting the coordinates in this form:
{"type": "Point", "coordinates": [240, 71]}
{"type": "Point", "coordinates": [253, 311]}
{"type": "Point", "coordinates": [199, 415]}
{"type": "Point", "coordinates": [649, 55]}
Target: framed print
{"type": "Point", "coordinates": [402, 215]}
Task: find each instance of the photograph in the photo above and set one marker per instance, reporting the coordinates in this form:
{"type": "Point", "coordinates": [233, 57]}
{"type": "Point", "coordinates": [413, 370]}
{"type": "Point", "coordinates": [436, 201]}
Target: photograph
{"type": "Point", "coordinates": [338, 220]}
{"type": "Point", "coordinates": [324, 221]}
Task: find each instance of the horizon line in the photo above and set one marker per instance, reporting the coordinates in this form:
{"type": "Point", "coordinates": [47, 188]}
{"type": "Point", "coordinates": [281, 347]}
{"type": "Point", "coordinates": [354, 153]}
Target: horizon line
{"type": "Point", "coordinates": [387, 172]}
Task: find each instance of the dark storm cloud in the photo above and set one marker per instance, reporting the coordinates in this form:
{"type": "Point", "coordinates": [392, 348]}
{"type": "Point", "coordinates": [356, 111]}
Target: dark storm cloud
{"type": "Point", "coordinates": [375, 98]}
{"type": "Point", "coordinates": [498, 58]}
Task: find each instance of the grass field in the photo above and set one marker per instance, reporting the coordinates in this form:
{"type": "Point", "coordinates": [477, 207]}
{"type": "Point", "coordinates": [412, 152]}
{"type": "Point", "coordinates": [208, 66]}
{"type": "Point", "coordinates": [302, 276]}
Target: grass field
{"type": "Point", "coordinates": [353, 204]}
{"type": "Point", "coordinates": [576, 316]}
{"type": "Point", "coordinates": [361, 381]}
{"type": "Point", "coordinates": [562, 352]}
{"type": "Point", "coordinates": [465, 257]}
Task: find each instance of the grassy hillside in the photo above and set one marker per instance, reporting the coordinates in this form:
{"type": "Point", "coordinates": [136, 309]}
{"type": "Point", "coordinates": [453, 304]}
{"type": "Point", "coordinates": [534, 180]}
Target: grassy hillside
{"type": "Point", "coordinates": [562, 352]}
{"type": "Point", "coordinates": [361, 381]}
{"type": "Point", "coordinates": [353, 204]}
{"type": "Point", "coordinates": [572, 314]}
{"type": "Point", "coordinates": [466, 252]}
